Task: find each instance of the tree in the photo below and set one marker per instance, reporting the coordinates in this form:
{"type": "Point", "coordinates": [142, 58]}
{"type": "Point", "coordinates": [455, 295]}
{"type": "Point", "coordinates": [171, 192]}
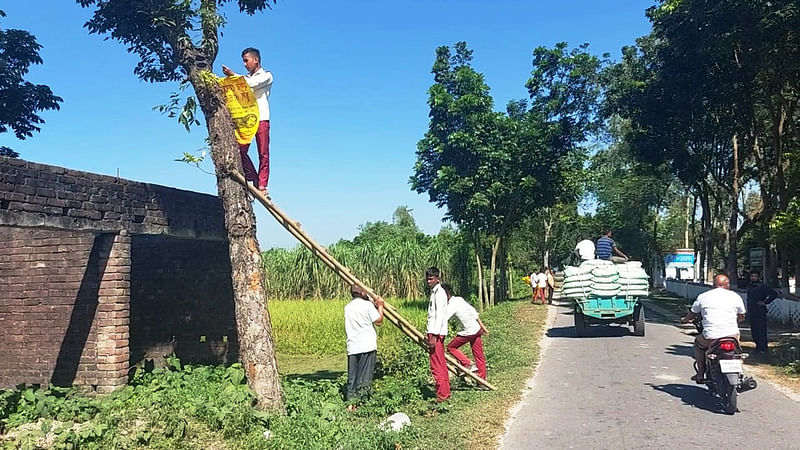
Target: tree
{"type": "Point", "coordinates": [713, 94]}
{"type": "Point", "coordinates": [490, 169]}
{"type": "Point", "coordinates": [178, 40]}
{"type": "Point", "coordinates": [20, 100]}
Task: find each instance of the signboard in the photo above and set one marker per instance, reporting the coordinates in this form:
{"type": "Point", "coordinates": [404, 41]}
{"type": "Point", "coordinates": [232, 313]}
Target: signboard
{"type": "Point", "coordinates": [756, 257]}
{"type": "Point", "coordinates": [682, 260]}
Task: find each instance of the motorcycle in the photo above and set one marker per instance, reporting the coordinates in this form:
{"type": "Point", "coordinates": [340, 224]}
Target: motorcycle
{"type": "Point", "coordinates": [724, 376]}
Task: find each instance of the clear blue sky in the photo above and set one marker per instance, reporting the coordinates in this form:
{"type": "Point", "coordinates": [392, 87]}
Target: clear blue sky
{"type": "Point", "coordinates": [348, 104]}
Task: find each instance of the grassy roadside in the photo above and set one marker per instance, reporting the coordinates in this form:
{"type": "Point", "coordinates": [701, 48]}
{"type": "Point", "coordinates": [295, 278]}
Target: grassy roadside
{"type": "Point", "coordinates": [211, 407]}
{"type": "Point", "coordinates": [475, 418]}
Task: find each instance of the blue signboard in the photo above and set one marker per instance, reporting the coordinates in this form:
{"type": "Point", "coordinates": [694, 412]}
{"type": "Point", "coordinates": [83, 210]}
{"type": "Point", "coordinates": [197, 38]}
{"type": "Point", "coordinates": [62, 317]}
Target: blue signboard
{"type": "Point", "coordinates": [679, 260]}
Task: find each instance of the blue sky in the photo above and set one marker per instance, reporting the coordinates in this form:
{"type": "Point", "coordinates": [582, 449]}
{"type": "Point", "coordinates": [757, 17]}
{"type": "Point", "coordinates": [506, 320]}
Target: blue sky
{"type": "Point", "coordinates": [347, 107]}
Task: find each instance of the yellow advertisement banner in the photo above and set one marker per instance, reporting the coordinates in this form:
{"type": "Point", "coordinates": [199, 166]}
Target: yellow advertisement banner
{"type": "Point", "coordinates": [241, 103]}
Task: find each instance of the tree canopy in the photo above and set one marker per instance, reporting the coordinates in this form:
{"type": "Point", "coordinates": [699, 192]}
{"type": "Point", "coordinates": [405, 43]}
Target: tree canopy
{"type": "Point", "coordinates": [20, 100]}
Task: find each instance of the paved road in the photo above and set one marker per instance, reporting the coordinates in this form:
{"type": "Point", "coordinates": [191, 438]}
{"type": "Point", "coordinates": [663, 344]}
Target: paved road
{"type": "Point", "coordinates": [615, 391]}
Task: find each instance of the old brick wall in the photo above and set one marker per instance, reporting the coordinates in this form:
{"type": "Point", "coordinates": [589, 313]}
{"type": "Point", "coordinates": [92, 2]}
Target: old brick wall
{"type": "Point", "coordinates": [96, 272]}
{"type": "Point", "coordinates": [181, 300]}
{"type": "Point", "coordinates": [58, 295]}
{"type": "Point", "coordinates": [38, 195]}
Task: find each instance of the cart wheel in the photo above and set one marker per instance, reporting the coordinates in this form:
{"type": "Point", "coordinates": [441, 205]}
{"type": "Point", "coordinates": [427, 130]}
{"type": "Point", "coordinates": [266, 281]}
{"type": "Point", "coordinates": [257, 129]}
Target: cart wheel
{"type": "Point", "coordinates": [638, 320]}
{"type": "Point", "coordinates": [580, 324]}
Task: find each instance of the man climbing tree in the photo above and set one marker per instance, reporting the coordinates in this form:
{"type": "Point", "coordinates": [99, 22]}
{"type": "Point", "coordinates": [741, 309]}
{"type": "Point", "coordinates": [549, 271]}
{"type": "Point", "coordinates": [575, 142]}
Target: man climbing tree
{"type": "Point", "coordinates": [178, 40]}
{"type": "Point", "coordinates": [21, 100]}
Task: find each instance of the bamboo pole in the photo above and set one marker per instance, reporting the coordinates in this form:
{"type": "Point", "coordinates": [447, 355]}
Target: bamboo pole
{"type": "Point", "coordinates": [317, 250]}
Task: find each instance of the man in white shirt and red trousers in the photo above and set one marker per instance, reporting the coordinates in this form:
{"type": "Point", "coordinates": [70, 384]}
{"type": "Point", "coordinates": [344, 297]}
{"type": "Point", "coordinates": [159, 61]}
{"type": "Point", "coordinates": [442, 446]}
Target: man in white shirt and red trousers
{"type": "Point", "coordinates": [437, 332]}
{"type": "Point", "coordinates": [471, 331]}
{"type": "Point", "coordinates": [260, 81]}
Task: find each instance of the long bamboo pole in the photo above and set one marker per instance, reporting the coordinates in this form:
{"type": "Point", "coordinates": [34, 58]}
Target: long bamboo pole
{"type": "Point", "coordinates": [317, 250]}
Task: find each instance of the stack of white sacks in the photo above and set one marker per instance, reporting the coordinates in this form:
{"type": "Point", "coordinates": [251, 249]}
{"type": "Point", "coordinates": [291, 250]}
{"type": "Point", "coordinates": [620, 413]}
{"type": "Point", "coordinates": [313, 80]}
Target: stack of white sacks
{"type": "Point", "coordinates": [601, 278]}
{"type": "Point", "coordinates": [558, 284]}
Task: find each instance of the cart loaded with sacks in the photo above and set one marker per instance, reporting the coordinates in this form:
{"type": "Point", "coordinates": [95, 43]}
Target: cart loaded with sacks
{"type": "Point", "coordinates": [604, 293]}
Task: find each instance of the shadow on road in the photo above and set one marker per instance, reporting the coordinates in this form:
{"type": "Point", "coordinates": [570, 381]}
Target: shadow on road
{"type": "Point", "coordinates": [594, 331]}
{"type": "Point", "coordinates": [681, 349]}
{"type": "Point", "coordinates": [691, 395]}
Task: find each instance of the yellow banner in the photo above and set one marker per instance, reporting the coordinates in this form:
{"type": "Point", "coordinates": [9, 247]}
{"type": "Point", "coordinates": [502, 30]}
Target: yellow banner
{"type": "Point", "coordinates": [242, 104]}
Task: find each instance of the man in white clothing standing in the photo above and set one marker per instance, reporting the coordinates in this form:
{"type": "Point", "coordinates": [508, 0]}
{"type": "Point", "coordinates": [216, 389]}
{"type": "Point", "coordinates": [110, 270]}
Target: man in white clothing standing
{"type": "Point", "coordinates": [260, 81]}
{"type": "Point", "coordinates": [437, 332]}
{"type": "Point", "coordinates": [362, 341]}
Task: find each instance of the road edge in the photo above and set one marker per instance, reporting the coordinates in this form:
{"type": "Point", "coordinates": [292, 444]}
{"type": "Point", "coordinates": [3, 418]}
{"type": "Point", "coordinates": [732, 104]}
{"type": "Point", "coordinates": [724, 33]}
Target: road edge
{"type": "Point", "coordinates": [544, 344]}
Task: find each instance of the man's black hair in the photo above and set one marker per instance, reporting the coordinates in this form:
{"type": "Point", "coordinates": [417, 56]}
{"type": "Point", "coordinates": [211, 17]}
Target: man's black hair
{"type": "Point", "coordinates": [254, 51]}
{"type": "Point", "coordinates": [448, 289]}
{"type": "Point", "coordinates": [755, 271]}
{"type": "Point", "coordinates": [433, 272]}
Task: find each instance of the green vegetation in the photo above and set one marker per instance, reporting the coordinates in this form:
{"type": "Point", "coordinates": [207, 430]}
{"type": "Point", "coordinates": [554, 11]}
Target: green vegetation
{"type": "Point", "coordinates": [212, 407]}
{"type": "Point", "coordinates": [390, 258]}
{"type": "Point", "coordinates": [316, 327]}
{"type": "Point", "coordinates": [22, 100]}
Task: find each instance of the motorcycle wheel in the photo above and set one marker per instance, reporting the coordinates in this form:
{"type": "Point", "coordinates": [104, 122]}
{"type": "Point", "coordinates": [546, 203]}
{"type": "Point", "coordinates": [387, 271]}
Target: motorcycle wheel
{"type": "Point", "coordinates": [731, 397]}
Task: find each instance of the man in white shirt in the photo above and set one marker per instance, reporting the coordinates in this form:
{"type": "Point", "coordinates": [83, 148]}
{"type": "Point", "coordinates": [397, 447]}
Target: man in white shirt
{"type": "Point", "coordinates": [541, 287]}
{"type": "Point", "coordinates": [721, 310]}
{"type": "Point", "coordinates": [362, 341]}
{"type": "Point", "coordinates": [471, 330]}
{"type": "Point", "coordinates": [260, 81]}
{"type": "Point", "coordinates": [437, 332]}
{"type": "Point", "coordinates": [584, 249]}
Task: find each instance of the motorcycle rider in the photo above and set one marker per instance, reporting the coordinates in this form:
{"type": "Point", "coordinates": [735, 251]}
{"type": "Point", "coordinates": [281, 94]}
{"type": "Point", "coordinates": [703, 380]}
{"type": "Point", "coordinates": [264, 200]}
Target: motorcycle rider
{"type": "Point", "coordinates": [721, 309]}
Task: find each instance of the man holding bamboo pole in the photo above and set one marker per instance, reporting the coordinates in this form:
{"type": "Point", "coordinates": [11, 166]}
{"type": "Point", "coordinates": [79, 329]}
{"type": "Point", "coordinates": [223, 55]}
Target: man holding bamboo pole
{"type": "Point", "coordinates": [437, 332]}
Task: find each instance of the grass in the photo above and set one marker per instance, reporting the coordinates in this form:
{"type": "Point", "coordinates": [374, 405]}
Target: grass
{"type": "Point", "coordinates": [670, 302]}
{"type": "Point", "coordinates": [316, 327]}
{"type": "Point", "coordinates": [211, 407]}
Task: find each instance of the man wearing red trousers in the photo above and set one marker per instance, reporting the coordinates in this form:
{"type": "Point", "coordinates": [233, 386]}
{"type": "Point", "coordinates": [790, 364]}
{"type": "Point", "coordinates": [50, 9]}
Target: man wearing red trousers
{"type": "Point", "coordinates": [437, 332]}
{"type": "Point", "coordinates": [471, 331]}
{"type": "Point", "coordinates": [260, 81]}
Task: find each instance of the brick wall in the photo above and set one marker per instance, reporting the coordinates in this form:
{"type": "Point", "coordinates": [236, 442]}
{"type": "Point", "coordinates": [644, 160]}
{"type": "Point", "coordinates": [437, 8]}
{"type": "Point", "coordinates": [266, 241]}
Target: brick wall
{"type": "Point", "coordinates": [97, 273]}
{"type": "Point", "coordinates": [57, 288]}
{"type": "Point", "coordinates": [181, 300]}
{"type": "Point", "coordinates": [33, 194]}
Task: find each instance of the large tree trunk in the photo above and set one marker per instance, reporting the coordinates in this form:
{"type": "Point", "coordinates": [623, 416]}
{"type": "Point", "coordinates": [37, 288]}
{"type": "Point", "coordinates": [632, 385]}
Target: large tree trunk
{"type": "Point", "coordinates": [493, 268]}
{"type": "Point", "coordinates": [503, 283]}
{"type": "Point", "coordinates": [707, 226]}
{"type": "Point", "coordinates": [252, 316]}
{"type": "Point", "coordinates": [479, 269]}
{"type": "Point", "coordinates": [548, 227]}
{"type": "Point", "coordinates": [731, 263]}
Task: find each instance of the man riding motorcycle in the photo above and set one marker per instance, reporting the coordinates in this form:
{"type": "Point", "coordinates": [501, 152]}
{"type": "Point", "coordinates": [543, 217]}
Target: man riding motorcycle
{"type": "Point", "coordinates": [721, 309]}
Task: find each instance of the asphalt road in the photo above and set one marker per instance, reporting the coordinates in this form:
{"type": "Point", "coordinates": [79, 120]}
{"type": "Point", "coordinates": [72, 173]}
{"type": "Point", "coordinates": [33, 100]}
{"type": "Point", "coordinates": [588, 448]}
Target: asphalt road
{"type": "Point", "coordinates": [612, 390]}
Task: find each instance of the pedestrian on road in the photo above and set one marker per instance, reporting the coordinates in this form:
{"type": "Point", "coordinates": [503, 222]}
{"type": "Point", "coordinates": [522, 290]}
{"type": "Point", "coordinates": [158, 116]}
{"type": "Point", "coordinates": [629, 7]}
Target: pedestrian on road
{"type": "Point", "coordinates": [721, 310]}
{"type": "Point", "coordinates": [260, 81]}
{"type": "Point", "coordinates": [758, 297]}
{"type": "Point", "coordinates": [360, 316]}
{"type": "Point", "coordinates": [471, 330]}
{"type": "Point", "coordinates": [551, 284]}
{"type": "Point", "coordinates": [607, 249]}
{"type": "Point", "coordinates": [437, 332]}
{"type": "Point", "coordinates": [541, 288]}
